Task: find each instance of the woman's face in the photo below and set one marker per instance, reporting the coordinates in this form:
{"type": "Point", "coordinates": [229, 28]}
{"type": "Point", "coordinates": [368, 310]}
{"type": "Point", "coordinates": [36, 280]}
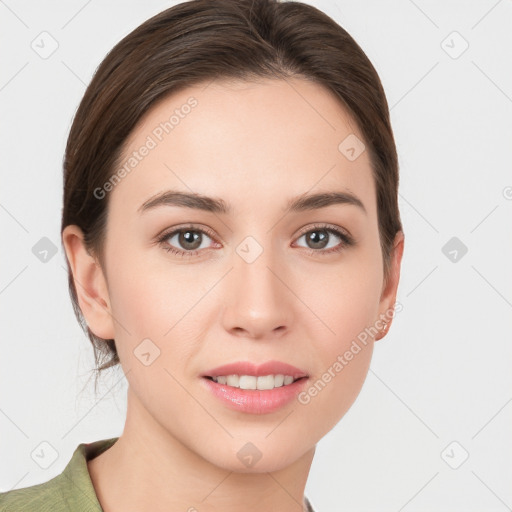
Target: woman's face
{"type": "Point", "coordinates": [254, 282]}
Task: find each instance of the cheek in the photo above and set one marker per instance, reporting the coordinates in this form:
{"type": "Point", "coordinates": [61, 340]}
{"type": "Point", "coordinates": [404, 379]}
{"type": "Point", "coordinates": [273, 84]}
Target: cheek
{"type": "Point", "coordinates": [342, 356]}
{"type": "Point", "coordinates": [347, 302]}
{"type": "Point", "coordinates": [345, 297]}
{"type": "Point", "coordinates": [157, 302]}
{"type": "Point", "coordinates": [329, 395]}
{"type": "Point", "coordinates": [157, 328]}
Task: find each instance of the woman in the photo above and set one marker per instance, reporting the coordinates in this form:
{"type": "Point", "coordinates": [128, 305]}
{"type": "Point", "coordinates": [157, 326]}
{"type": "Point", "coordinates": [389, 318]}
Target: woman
{"type": "Point", "coordinates": [233, 241]}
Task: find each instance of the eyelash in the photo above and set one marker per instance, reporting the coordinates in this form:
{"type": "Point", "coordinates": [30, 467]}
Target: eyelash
{"type": "Point", "coordinates": [346, 240]}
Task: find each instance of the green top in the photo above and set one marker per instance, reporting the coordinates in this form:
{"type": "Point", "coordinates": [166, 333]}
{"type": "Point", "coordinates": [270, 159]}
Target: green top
{"type": "Point", "coordinates": [71, 491]}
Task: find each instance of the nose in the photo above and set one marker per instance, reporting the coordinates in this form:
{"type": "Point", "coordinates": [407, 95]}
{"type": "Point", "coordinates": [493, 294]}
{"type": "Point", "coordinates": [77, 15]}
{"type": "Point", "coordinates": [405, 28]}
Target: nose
{"type": "Point", "coordinates": [259, 303]}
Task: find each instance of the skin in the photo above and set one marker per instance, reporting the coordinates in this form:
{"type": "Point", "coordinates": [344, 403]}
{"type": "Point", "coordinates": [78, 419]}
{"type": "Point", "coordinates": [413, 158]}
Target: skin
{"type": "Point", "coordinates": [255, 145]}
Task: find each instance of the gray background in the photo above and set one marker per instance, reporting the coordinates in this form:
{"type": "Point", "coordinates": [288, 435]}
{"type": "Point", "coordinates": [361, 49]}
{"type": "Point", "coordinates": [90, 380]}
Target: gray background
{"type": "Point", "coordinates": [439, 388]}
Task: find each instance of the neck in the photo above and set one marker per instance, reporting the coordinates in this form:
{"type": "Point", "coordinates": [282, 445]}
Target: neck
{"type": "Point", "coordinates": [149, 469]}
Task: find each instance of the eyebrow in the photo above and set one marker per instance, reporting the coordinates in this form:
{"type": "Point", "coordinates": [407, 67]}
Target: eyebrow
{"type": "Point", "coordinates": [218, 205]}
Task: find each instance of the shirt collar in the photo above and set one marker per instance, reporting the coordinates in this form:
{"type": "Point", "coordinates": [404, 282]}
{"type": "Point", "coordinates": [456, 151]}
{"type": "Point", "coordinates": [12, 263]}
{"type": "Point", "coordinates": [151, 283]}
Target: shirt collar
{"type": "Point", "coordinates": [75, 481]}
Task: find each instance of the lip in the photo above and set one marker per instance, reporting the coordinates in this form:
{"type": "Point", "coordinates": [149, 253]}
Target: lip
{"type": "Point", "coordinates": [248, 368]}
{"type": "Point", "coordinates": [255, 401]}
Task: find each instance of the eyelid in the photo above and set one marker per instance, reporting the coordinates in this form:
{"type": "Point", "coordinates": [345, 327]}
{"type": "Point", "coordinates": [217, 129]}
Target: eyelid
{"type": "Point", "coordinates": [166, 233]}
{"type": "Point", "coordinates": [326, 226]}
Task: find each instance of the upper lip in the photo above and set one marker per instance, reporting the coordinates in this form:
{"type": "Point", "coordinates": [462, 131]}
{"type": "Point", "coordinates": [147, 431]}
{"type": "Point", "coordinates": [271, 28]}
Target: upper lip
{"type": "Point", "coordinates": [258, 370]}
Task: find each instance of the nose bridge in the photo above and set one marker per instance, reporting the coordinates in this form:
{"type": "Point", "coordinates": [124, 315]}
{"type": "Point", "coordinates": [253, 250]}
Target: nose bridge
{"type": "Point", "coordinates": [253, 263]}
{"type": "Point", "coordinates": [259, 301]}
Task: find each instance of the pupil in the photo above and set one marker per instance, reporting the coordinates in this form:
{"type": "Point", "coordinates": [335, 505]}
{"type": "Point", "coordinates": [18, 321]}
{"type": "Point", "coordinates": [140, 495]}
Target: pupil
{"type": "Point", "coordinates": [318, 240]}
{"type": "Point", "coordinates": [190, 237]}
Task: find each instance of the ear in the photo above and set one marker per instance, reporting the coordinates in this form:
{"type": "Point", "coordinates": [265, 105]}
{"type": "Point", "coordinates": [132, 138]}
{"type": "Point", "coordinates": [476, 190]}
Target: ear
{"type": "Point", "coordinates": [388, 296]}
{"type": "Point", "coordinates": [90, 284]}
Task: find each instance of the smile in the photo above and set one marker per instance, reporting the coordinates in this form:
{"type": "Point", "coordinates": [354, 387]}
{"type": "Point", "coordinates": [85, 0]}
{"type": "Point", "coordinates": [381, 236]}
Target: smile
{"type": "Point", "coordinates": [253, 382]}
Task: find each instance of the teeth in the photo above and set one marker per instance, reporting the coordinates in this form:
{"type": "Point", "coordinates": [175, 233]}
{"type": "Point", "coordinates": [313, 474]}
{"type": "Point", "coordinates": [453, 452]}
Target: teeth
{"type": "Point", "coordinates": [278, 381]}
{"type": "Point", "coordinates": [252, 382]}
{"type": "Point", "coordinates": [233, 380]}
{"type": "Point", "coordinates": [247, 382]}
{"type": "Point", "coordinates": [264, 382]}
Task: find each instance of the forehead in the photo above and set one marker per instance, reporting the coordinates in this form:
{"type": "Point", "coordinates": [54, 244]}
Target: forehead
{"type": "Point", "coordinates": [245, 142]}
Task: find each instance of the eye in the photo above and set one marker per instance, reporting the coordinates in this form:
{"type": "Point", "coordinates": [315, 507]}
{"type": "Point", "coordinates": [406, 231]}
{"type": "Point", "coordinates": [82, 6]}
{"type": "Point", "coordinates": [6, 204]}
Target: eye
{"type": "Point", "coordinates": [190, 238]}
{"type": "Point", "coordinates": [321, 239]}
{"type": "Point", "coordinates": [188, 241]}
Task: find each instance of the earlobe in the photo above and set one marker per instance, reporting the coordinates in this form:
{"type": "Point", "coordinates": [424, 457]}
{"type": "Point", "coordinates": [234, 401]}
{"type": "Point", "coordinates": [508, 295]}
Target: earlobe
{"type": "Point", "coordinates": [388, 296]}
{"type": "Point", "coordinates": [90, 283]}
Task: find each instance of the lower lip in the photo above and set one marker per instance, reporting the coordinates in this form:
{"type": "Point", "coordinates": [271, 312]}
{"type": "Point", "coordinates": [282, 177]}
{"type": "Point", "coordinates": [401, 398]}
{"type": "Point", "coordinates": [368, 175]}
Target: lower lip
{"type": "Point", "coordinates": [255, 401]}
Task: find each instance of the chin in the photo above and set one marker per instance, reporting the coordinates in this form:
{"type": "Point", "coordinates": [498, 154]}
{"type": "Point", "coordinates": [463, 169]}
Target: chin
{"type": "Point", "coordinates": [245, 456]}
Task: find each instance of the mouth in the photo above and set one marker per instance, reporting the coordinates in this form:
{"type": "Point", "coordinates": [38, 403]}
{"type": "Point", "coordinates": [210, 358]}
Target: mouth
{"type": "Point", "coordinates": [255, 389]}
{"type": "Point", "coordinates": [248, 375]}
{"type": "Point", "coordinates": [261, 382]}
{"type": "Point", "coordinates": [245, 378]}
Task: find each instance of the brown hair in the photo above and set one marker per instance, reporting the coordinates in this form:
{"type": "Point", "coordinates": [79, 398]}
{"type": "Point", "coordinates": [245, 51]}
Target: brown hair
{"type": "Point", "coordinates": [199, 41]}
